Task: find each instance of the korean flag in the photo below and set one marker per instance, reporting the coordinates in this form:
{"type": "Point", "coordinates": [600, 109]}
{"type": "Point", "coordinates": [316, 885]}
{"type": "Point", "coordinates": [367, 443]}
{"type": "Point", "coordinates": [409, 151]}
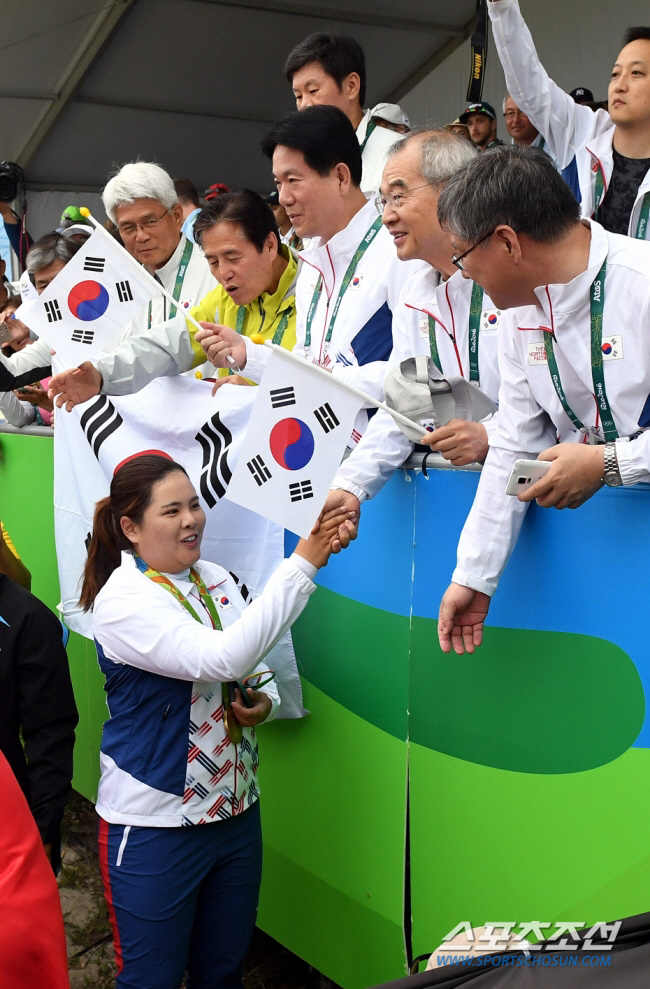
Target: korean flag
{"type": "Point", "coordinates": [86, 307]}
{"type": "Point", "coordinates": [297, 433]}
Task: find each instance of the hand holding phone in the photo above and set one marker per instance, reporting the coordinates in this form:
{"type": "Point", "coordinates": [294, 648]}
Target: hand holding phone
{"type": "Point", "coordinates": [525, 473]}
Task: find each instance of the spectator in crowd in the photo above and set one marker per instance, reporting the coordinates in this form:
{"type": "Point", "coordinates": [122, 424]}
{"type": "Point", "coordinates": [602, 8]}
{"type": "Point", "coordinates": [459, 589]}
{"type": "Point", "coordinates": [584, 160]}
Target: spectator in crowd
{"type": "Point", "coordinates": [188, 197]}
{"type": "Point", "coordinates": [10, 563]}
{"type": "Point", "coordinates": [331, 69]}
{"type": "Point", "coordinates": [288, 235]}
{"type": "Point", "coordinates": [255, 293]}
{"type": "Point", "coordinates": [457, 127]}
{"type": "Point", "coordinates": [32, 363]}
{"type": "Point", "coordinates": [73, 217]}
{"type": "Point", "coordinates": [214, 191]}
{"type": "Point", "coordinates": [38, 714]}
{"type": "Point", "coordinates": [612, 150]}
{"type": "Point", "coordinates": [351, 278]}
{"type": "Point", "coordinates": [32, 938]}
{"type": "Point", "coordinates": [581, 95]}
{"type": "Point", "coordinates": [481, 120]}
{"type": "Point", "coordinates": [522, 131]}
{"type": "Point", "coordinates": [569, 394]}
{"type": "Point", "coordinates": [391, 116]}
{"type": "Point", "coordinates": [439, 312]}
{"type": "Point", "coordinates": [180, 838]}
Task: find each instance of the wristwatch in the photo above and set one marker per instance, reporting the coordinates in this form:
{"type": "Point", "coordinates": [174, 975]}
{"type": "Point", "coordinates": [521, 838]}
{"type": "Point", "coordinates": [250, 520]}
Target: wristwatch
{"type": "Point", "coordinates": [612, 474]}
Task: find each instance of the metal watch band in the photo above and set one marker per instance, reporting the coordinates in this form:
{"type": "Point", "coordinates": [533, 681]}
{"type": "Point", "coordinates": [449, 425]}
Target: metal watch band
{"type": "Point", "coordinates": [612, 474]}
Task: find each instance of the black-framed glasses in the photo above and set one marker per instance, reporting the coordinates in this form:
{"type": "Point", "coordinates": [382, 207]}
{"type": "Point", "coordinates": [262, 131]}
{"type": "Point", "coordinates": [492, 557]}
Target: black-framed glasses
{"type": "Point", "coordinates": [457, 259]}
{"type": "Point", "coordinates": [130, 229]}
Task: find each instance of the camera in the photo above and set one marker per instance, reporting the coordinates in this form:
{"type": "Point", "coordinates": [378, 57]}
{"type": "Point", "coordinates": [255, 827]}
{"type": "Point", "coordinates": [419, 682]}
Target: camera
{"type": "Point", "coordinates": [11, 177]}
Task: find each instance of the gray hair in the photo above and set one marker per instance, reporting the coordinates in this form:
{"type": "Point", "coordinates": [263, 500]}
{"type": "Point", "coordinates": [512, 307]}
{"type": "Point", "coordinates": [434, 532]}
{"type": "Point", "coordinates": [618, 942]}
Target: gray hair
{"type": "Point", "coordinates": [443, 153]}
{"type": "Point", "coordinates": [138, 180]}
{"type": "Point", "coordinates": [513, 185]}
{"type": "Point", "coordinates": [47, 250]}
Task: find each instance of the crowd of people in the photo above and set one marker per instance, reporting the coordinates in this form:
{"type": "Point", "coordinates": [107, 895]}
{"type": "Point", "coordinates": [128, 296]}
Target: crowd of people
{"type": "Point", "coordinates": [521, 269]}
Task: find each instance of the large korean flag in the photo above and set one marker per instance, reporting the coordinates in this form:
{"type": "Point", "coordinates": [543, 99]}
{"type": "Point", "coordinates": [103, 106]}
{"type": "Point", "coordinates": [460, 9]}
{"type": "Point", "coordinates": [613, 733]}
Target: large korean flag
{"type": "Point", "coordinates": [85, 308]}
{"type": "Point", "coordinates": [298, 431]}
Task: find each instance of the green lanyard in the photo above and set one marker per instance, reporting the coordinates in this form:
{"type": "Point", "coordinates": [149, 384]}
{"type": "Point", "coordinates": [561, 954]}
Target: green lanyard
{"type": "Point", "coordinates": [278, 336]}
{"type": "Point", "coordinates": [178, 284]}
{"type": "Point", "coordinates": [369, 129]}
{"type": "Point", "coordinates": [642, 225]}
{"type": "Point", "coordinates": [597, 370]}
{"type": "Point", "coordinates": [204, 594]}
{"type": "Point", "coordinates": [347, 278]}
{"type": "Point", "coordinates": [475, 311]}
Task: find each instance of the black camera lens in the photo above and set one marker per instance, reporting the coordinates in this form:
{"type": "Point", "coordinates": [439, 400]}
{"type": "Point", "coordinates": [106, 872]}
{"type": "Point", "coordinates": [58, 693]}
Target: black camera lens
{"type": "Point", "coordinates": [11, 176]}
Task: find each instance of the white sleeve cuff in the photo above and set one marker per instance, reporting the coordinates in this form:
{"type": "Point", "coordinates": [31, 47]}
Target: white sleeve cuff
{"type": "Point", "coordinates": [345, 485]}
{"type": "Point", "coordinates": [468, 580]}
{"type": "Point", "coordinates": [301, 563]}
{"type": "Point", "coordinates": [633, 459]}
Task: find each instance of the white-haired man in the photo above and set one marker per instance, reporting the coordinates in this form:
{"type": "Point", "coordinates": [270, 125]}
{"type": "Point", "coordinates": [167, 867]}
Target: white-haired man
{"type": "Point", "coordinates": [439, 314]}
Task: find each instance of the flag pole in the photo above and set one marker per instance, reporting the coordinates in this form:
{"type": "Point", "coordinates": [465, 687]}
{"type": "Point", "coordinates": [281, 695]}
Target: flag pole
{"type": "Point", "coordinates": [362, 395]}
{"type": "Point", "coordinates": [159, 288]}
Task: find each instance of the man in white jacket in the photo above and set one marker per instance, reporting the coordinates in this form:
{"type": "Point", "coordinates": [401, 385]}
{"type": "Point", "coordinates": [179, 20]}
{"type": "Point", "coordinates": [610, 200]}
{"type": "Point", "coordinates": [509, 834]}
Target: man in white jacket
{"type": "Point", "coordinates": [612, 150]}
{"type": "Point", "coordinates": [574, 361]}
{"type": "Point", "coordinates": [439, 314]}
{"type": "Point", "coordinates": [331, 69]}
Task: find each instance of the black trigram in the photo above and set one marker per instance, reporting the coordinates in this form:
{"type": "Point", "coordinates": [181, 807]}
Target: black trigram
{"type": "Point", "coordinates": [282, 396]}
{"type": "Point", "coordinates": [300, 490]}
{"type": "Point", "coordinates": [259, 470]}
{"type": "Point", "coordinates": [53, 311]}
{"type": "Point", "coordinates": [326, 417]}
{"type": "Point", "coordinates": [94, 264]}
{"type": "Point", "coordinates": [215, 439]}
{"type": "Point", "coordinates": [83, 336]}
{"type": "Point", "coordinates": [99, 422]}
{"type": "Point", "coordinates": [124, 292]}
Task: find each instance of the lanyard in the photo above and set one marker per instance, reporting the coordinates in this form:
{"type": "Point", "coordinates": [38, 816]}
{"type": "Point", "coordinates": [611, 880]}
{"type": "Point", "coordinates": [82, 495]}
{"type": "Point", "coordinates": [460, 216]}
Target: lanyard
{"type": "Point", "coordinates": [642, 225]}
{"type": "Point", "coordinates": [278, 336]}
{"type": "Point", "coordinates": [597, 305]}
{"type": "Point", "coordinates": [475, 312]}
{"type": "Point", "coordinates": [178, 284]}
{"type": "Point", "coordinates": [204, 594]}
{"type": "Point", "coordinates": [369, 129]}
{"type": "Point", "coordinates": [347, 278]}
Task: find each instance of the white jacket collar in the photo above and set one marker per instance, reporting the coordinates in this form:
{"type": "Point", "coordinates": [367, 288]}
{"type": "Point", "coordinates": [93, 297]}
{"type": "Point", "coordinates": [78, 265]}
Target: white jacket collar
{"type": "Point", "coordinates": [569, 296]}
{"type": "Point", "coordinates": [339, 249]}
{"type": "Point", "coordinates": [167, 274]}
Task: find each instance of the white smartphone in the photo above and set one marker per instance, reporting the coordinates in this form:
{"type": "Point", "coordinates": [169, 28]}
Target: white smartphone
{"type": "Point", "coordinates": [525, 473]}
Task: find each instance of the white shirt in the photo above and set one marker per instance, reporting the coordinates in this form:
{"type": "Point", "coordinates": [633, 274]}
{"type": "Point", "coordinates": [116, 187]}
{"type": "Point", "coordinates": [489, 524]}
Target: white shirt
{"type": "Point", "coordinates": [373, 155]}
{"type": "Point", "coordinates": [568, 128]}
{"type": "Point", "coordinates": [530, 413]}
{"type": "Point", "coordinates": [361, 341]}
{"type": "Point", "coordinates": [384, 446]}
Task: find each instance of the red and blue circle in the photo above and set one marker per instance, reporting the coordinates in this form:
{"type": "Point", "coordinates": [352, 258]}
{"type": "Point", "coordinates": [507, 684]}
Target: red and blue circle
{"type": "Point", "coordinates": [607, 348]}
{"type": "Point", "coordinates": [492, 318]}
{"type": "Point", "coordinates": [292, 443]}
{"type": "Point", "coordinates": [88, 300]}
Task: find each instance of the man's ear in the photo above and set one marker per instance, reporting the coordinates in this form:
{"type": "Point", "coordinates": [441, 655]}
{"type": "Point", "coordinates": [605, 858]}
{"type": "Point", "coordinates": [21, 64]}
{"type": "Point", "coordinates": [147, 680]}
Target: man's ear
{"type": "Point", "coordinates": [509, 242]}
{"type": "Point", "coordinates": [342, 174]}
{"type": "Point", "coordinates": [271, 245]}
{"type": "Point", "coordinates": [129, 528]}
{"type": "Point", "coordinates": [177, 212]}
{"type": "Point", "coordinates": [351, 87]}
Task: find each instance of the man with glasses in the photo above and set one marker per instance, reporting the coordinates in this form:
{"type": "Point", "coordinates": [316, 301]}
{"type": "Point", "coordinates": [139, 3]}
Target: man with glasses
{"type": "Point", "coordinates": [573, 357]}
{"type": "Point", "coordinates": [440, 314]}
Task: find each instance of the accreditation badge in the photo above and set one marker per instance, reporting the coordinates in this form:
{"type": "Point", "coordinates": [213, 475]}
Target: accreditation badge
{"type": "Point", "coordinates": [424, 327]}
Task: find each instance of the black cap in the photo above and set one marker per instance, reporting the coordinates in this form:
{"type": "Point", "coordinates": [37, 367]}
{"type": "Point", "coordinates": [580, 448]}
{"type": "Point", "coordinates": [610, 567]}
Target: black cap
{"type": "Point", "coordinates": [273, 199]}
{"type": "Point", "coordinates": [484, 108]}
{"type": "Point", "coordinates": [582, 94]}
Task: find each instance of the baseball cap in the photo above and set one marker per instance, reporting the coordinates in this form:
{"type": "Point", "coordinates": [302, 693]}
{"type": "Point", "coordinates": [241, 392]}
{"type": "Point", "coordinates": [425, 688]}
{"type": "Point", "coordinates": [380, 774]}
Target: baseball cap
{"type": "Point", "coordinates": [273, 199]}
{"type": "Point", "coordinates": [215, 190]}
{"type": "Point", "coordinates": [73, 214]}
{"type": "Point", "coordinates": [456, 123]}
{"type": "Point", "coordinates": [392, 113]}
{"type": "Point", "coordinates": [484, 108]}
{"type": "Point", "coordinates": [580, 93]}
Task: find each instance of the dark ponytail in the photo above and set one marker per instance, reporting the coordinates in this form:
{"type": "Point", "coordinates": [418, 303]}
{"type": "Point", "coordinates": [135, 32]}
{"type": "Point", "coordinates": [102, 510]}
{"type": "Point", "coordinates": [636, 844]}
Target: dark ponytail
{"type": "Point", "coordinates": [130, 496]}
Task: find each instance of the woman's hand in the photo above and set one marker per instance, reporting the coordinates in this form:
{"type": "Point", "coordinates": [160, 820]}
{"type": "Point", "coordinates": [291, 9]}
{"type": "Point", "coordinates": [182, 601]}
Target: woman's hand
{"type": "Point", "coordinates": [251, 716]}
{"type": "Point", "coordinates": [319, 547]}
{"type": "Point", "coordinates": [36, 395]}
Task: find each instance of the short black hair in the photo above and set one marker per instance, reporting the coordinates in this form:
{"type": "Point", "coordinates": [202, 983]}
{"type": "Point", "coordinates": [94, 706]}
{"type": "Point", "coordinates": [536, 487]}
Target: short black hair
{"type": "Point", "coordinates": [515, 185]}
{"type": "Point", "coordinates": [636, 34]}
{"type": "Point", "coordinates": [187, 191]}
{"type": "Point", "coordinates": [245, 208]}
{"type": "Point", "coordinates": [338, 54]}
{"type": "Point", "coordinates": [323, 134]}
